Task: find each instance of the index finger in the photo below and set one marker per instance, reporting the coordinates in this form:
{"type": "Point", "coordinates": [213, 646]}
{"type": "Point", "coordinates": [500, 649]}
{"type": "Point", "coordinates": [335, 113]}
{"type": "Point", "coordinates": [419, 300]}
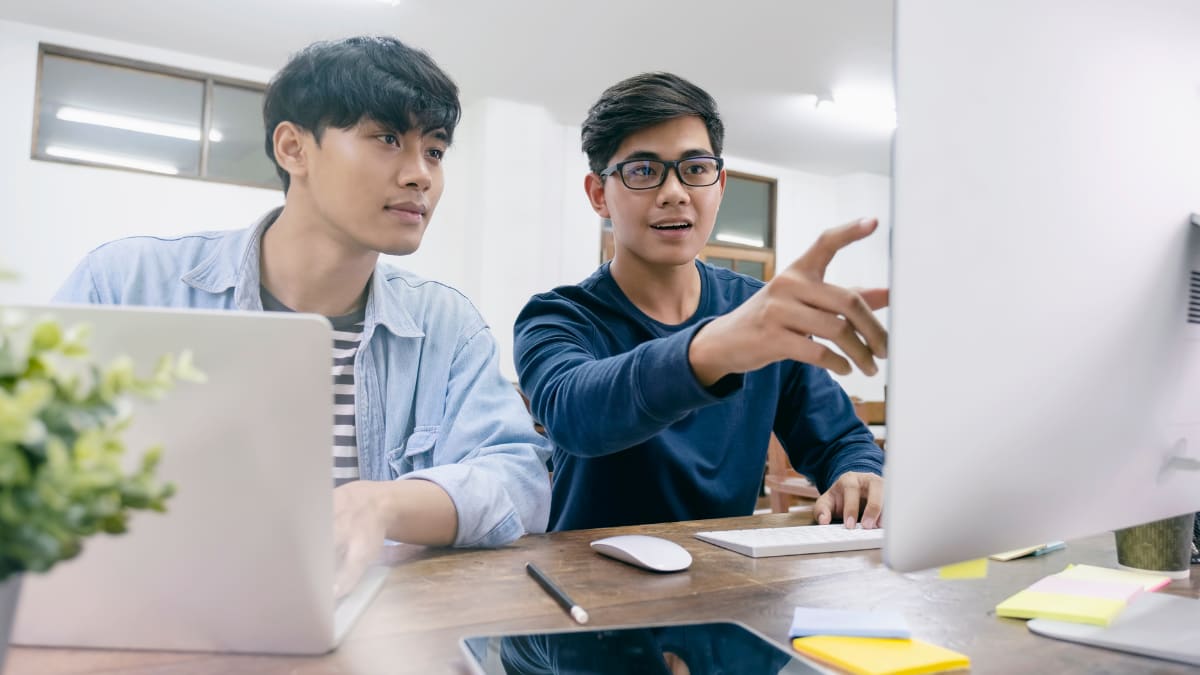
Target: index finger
{"type": "Point", "coordinates": [873, 511]}
{"type": "Point", "coordinates": [820, 254]}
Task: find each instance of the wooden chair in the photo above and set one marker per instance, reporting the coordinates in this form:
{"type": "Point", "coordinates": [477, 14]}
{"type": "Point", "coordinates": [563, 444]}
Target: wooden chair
{"type": "Point", "coordinates": [872, 413]}
{"type": "Point", "coordinates": [782, 481]}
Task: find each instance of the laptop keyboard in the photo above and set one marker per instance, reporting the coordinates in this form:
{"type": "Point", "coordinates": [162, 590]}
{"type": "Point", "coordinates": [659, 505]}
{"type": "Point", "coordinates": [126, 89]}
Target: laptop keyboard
{"type": "Point", "coordinates": [772, 541]}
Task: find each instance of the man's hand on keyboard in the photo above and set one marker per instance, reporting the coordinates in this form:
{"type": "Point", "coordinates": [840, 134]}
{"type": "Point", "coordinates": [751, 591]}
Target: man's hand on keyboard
{"type": "Point", "coordinates": [852, 490]}
{"type": "Point", "coordinates": [358, 529]}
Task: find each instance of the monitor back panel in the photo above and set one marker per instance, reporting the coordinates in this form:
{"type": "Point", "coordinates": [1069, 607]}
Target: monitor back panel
{"type": "Point", "coordinates": [1044, 370]}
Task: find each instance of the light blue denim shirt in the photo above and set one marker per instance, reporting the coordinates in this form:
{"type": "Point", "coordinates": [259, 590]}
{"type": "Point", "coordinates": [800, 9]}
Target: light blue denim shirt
{"type": "Point", "coordinates": [430, 402]}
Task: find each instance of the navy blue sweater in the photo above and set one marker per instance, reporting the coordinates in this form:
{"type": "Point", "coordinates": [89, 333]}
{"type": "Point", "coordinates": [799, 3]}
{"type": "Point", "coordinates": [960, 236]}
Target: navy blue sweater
{"type": "Point", "coordinates": [639, 440]}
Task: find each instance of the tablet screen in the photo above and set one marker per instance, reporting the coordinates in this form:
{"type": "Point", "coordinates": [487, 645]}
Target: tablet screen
{"type": "Point", "coordinates": [692, 649]}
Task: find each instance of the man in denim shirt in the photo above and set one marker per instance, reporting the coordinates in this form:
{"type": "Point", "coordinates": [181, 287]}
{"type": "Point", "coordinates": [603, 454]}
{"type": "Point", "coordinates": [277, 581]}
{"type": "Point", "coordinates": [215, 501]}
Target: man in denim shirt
{"type": "Point", "coordinates": [357, 130]}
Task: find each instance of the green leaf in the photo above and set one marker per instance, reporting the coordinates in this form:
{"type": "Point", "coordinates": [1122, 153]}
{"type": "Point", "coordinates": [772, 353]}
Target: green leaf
{"type": "Point", "coordinates": [46, 335]}
{"type": "Point", "coordinates": [14, 468]}
{"type": "Point", "coordinates": [62, 424]}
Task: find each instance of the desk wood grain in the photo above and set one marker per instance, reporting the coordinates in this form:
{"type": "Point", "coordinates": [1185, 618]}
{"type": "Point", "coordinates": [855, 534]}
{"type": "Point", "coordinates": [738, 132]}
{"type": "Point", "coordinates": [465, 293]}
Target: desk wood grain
{"type": "Point", "coordinates": [434, 597]}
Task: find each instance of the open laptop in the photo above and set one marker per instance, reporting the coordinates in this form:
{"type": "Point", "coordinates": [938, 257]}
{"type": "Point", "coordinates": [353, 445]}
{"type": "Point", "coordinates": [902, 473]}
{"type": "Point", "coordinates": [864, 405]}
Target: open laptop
{"type": "Point", "coordinates": [243, 559]}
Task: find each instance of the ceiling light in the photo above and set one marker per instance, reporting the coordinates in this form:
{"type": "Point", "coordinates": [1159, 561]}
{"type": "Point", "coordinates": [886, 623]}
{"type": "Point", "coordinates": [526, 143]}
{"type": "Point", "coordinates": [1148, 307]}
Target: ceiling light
{"type": "Point", "coordinates": [738, 239]}
{"type": "Point", "coordinates": [111, 160]}
{"type": "Point", "coordinates": [183, 131]}
{"type": "Point", "coordinates": [871, 108]}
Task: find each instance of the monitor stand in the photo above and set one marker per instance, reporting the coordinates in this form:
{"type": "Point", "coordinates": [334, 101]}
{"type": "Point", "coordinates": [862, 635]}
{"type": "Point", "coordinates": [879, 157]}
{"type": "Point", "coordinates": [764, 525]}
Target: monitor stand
{"type": "Point", "coordinates": [1154, 624]}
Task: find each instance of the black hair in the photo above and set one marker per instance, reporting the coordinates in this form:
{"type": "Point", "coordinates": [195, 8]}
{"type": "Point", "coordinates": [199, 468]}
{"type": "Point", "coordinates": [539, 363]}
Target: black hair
{"type": "Point", "coordinates": [338, 84]}
{"type": "Point", "coordinates": [643, 101]}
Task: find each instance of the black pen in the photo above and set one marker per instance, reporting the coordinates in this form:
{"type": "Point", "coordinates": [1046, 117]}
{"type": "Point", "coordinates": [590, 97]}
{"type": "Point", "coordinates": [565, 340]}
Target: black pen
{"type": "Point", "coordinates": [576, 612]}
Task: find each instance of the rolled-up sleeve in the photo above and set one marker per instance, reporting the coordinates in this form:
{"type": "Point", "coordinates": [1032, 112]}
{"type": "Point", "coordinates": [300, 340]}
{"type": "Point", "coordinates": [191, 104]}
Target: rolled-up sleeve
{"type": "Point", "coordinates": [488, 456]}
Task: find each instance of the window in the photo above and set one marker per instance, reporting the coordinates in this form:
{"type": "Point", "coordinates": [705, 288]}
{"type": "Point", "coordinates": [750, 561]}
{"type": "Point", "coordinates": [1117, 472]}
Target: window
{"type": "Point", "coordinates": [105, 111]}
{"type": "Point", "coordinates": [743, 237]}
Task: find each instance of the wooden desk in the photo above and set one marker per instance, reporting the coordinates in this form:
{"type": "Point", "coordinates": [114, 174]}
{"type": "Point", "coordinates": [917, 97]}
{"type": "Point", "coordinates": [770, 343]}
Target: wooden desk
{"type": "Point", "coordinates": [436, 596]}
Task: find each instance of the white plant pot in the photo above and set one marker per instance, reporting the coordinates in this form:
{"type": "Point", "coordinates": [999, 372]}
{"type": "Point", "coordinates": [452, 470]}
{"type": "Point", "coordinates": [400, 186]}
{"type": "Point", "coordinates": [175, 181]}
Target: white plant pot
{"type": "Point", "coordinates": [10, 590]}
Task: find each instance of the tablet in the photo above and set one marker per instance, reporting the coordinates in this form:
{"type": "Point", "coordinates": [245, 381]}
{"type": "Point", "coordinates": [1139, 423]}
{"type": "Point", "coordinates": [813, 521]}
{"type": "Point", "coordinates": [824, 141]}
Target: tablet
{"type": "Point", "coordinates": [694, 648]}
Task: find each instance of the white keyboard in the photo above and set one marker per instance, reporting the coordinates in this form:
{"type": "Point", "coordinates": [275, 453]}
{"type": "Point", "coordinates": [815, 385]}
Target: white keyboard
{"type": "Point", "coordinates": [770, 541]}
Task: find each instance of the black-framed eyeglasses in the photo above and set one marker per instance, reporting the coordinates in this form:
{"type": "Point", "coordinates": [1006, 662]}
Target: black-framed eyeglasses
{"type": "Point", "coordinates": [647, 174]}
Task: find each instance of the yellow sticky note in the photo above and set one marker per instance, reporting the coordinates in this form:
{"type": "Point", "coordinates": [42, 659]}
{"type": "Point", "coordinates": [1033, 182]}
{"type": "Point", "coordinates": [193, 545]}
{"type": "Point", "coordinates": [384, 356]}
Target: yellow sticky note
{"type": "Point", "coordinates": [880, 656]}
{"type": "Point", "coordinates": [971, 569]}
{"type": "Point", "coordinates": [1061, 607]}
{"type": "Point", "coordinates": [1150, 582]}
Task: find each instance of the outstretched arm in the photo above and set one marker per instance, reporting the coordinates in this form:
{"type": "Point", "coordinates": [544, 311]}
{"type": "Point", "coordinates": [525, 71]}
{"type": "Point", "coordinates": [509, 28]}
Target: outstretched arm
{"type": "Point", "coordinates": [592, 405]}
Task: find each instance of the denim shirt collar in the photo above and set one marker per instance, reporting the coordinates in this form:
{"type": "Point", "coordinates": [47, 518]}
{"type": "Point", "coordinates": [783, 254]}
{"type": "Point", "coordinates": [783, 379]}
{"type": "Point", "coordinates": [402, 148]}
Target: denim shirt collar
{"type": "Point", "coordinates": [234, 263]}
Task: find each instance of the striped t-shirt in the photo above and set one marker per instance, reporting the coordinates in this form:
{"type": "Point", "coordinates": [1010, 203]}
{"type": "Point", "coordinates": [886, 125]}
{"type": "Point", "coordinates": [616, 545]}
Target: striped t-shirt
{"type": "Point", "coordinates": [347, 334]}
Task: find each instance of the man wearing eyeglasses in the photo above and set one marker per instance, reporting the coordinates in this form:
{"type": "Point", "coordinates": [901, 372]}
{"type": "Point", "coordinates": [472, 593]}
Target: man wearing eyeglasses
{"type": "Point", "coordinates": [660, 378]}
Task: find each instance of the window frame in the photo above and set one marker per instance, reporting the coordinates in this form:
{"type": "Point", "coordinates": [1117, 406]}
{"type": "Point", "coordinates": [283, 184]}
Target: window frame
{"type": "Point", "coordinates": [761, 254]}
{"type": "Point", "coordinates": [737, 254]}
{"type": "Point", "coordinates": [207, 80]}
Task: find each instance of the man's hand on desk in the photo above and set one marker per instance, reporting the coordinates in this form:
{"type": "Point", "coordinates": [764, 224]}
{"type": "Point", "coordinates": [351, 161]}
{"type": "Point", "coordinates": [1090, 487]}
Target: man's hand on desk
{"type": "Point", "coordinates": [852, 490]}
{"type": "Point", "coordinates": [365, 512]}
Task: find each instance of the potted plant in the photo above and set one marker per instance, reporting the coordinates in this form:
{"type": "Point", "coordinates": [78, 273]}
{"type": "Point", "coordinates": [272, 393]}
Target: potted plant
{"type": "Point", "coordinates": [62, 420]}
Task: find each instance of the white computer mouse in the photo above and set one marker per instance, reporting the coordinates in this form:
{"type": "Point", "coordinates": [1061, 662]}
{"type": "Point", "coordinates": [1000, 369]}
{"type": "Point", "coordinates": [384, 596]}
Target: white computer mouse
{"type": "Point", "coordinates": [652, 553]}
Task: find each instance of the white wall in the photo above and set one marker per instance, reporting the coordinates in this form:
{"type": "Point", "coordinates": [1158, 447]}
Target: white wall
{"type": "Point", "coordinates": [51, 214]}
{"type": "Point", "coordinates": [514, 219]}
{"type": "Point", "coordinates": [449, 253]}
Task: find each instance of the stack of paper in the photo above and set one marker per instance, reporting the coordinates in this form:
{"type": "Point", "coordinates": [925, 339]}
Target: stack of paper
{"type": "Point", "coordinates": [1080, 594]}
{"type": "Point", "coordinates": [848, 623]}
{"type": "Point", "coordinates": [868, 643]}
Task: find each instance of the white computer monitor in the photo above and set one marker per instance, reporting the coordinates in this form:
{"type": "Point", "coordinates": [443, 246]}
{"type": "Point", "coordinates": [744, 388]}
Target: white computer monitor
{"type": "Point", "coordinates": [1044, 370]}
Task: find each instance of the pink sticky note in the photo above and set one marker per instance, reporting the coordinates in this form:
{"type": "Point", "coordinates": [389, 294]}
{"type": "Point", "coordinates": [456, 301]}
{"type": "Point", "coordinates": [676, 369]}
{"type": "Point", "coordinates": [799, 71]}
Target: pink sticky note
{"type": "Point", "coordinates": [1091, 588]}
{"type": "Point", "coordinates": [1149, 582]}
